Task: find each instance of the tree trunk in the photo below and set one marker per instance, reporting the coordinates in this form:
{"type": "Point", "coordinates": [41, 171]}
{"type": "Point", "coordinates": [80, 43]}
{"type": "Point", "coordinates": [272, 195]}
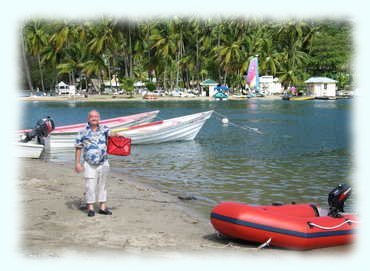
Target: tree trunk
{"type": "Point", "coordinates": [101, 82]}
{"type": "Point", "coordinates": [109, 75]}
{"type": "Point", "coordinates": [41, 73]}
{"type": "Point", "coordinates": [177, 70]}
{"type": "Point", "coordinates": [25, 64]}
{"type": "Point", "coordinates": [73, 77]}
{"type": "Point", "coordinates": [197, 69]}
{"type": "Point", "coordinates": [130, 50]}
{"type": "Point", "coordinates": [164, 81]}
{"type": "Point", "coordinates": [126, 66]}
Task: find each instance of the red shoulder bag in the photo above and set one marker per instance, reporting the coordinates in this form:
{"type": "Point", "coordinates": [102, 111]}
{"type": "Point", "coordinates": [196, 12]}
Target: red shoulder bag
{"type": "Point", "coordinates": [119, 145]}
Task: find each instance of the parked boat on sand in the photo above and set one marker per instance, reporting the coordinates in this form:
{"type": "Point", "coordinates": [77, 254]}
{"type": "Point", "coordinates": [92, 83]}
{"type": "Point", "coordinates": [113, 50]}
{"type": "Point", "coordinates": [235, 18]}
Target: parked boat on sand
{"type": "Point", "coordinates": [31, 143]}
{"type": "Point", "coordinates": [293, 226]}
{"type": "Point", "coordinates": [29, 149]}
{"type": "Point", "coordinates": [64, 136]}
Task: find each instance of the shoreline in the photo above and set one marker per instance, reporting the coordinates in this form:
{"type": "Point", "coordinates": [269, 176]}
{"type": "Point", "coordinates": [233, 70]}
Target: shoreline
{"type": "Point", "coordinates": [145, 220]}
{"type": "Point", "coordinates": [119, 98]}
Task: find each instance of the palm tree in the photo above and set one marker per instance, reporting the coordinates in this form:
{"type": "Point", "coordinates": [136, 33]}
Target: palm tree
{"type": "Point", "coordinates": [103, 41]}
{"type": "Point", "coordinates": [25, 62]}
{"type": "Point", "coordinates": [269, 58]}
{"type": "Point", "coordinates": [293, 61]}
{"type": "Point", "coordinates": [165, 48]}
{"type": "Point", "coordinates": [35, 42]}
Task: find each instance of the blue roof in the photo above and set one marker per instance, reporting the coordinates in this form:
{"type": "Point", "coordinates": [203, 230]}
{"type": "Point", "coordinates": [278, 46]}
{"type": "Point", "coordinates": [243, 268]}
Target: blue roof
{"type": "Point", "coordinates": [221, 88]}
{"type": "Point", "coordinates": [320, 80]}
{"type": "Point", "coordinates": [208, 82]}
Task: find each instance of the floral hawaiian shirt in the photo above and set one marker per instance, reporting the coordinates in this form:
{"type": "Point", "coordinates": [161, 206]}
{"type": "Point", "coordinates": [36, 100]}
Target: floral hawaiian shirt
{"type": "Point", "coordinates": [94, 144]}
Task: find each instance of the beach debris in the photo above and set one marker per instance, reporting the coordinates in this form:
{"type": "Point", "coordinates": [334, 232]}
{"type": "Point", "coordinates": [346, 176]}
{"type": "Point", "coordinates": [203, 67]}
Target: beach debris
{"type": "Point", "coordinates": [187, 197]}
{"type": "Point", "coordinates": [265, 244]}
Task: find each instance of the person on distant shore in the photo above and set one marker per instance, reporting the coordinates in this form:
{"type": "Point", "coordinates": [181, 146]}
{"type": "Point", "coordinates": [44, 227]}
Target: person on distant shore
{"type": "Point", "coordinates": [92, 141]}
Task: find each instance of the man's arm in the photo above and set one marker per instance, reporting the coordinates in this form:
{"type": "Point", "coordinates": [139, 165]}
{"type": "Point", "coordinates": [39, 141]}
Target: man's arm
{"type": "Point", "coordinates": [78, 167]}
{"type": "Point", "coordinates": [111, 132]}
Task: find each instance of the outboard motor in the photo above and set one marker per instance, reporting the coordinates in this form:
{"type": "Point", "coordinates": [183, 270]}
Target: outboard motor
{"type": "Point", "coordinates": [336, 199]}
{"type": "Point", "coordinates": [41, 130]}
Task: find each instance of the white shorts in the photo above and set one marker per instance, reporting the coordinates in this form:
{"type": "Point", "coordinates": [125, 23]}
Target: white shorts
{"type": "Point", "coordinates": [95, 182]}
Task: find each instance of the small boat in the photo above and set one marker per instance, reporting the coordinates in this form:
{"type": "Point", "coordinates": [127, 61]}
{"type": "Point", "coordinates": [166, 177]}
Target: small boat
{"type": "Point", "coordinates": [301, 98]}
{"type": "Point", "coordinates": [325, 98]}
{"type": "Point", "coordinates": [150, 97]}
{"type": "Point", "coordinates": [29, 150]}
{"type": "Point", "coordinates": [286, 97]}
{"type": "Point", "coordinates": [64, 136]}
{"type": "Point", "coordinates": [252, 79]}
{"type": "Point", "coordinates": [31, 143]}
{"type": "Point", "coordinates": [239, 97]}
{"type": "Point", "coordinates": [292, 226]}
{"type": "Point", "coordinates": [221, 94]}
{"type": "Point", "coordinates": [289, 97]}
{"type": "Point", "coordinates": [177, 129]}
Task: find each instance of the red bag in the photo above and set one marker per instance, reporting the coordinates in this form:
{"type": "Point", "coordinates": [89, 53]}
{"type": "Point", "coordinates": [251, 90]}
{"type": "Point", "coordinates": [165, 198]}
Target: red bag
{"type": "Point", "coordinates": [119, 145]}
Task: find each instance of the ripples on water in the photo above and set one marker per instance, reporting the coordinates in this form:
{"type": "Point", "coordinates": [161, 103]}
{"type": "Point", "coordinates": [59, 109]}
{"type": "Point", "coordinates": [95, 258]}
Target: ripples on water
{"type": "Point", "coordinates": [304, 151]}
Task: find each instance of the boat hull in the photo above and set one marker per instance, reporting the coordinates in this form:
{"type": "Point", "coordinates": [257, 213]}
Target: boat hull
{"type": "Point", "coordinates": [29, 150]}
{"type": "Point", "coordinates": [221, 96]}
{"type": "Point", "coordinates": [282, 226]}
{"type": "Point", "coordinates": [178, 129]}
{"type": "Point", "coordinates": [66, 138]}
{"type": "Point", "coordinates": [305, 98]}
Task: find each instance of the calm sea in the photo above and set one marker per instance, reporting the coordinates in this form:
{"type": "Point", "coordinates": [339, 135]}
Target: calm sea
{"type": "Point", "coordinates": [304, 150]}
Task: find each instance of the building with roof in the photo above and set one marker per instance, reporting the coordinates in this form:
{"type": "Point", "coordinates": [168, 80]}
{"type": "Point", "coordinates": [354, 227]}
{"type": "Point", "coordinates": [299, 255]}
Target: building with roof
{"type": "Point", "coordinates": [64, 89]}
{"type": "Point", "coordinates": [270, 85]}
{"type": "Point", "coordinates": [211, 84]}
{"type": "Point", "coordinates": [321, 87]}
{"type": "Point", "coordinates": [112, 85]}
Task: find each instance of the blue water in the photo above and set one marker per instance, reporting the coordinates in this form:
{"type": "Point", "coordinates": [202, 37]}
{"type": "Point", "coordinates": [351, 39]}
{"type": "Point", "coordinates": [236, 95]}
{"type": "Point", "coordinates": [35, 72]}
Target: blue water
{"type": "Point", "coordinates": [303, 153]}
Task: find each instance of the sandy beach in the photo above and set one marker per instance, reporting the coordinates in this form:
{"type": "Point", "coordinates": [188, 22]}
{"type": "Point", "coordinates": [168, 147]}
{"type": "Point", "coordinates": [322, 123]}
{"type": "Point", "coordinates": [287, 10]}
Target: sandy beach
{"type": "Point", "coordinates": [144, 221]}
{"type": "Point", "coordinates": [110, 98]}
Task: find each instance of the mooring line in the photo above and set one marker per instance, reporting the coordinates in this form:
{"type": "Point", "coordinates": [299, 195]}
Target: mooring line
{"type": "Point", "coordinates": [245, 127]}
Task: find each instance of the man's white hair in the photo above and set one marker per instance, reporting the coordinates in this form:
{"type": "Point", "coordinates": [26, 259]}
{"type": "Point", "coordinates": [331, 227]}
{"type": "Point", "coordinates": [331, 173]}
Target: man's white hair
{"type": "Point", "coordinates": [93, 111]}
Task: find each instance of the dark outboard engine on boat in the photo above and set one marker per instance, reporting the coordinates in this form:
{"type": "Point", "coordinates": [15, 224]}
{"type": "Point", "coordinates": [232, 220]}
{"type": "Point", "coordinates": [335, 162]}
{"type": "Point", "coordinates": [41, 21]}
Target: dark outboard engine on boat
{"type": "Point", "coordinates": [41, 130]}
{"type": "Point", "coordinates": [336, 199]}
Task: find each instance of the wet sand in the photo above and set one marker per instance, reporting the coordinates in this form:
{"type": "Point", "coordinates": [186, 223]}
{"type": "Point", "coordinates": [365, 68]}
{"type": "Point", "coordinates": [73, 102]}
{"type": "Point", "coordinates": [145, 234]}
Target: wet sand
{"type": "Point", "coordinates": [145, 221]}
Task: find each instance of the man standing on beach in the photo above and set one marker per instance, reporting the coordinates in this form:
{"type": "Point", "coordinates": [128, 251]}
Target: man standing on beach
{"type": "Point", "coordinates": [92, 141]}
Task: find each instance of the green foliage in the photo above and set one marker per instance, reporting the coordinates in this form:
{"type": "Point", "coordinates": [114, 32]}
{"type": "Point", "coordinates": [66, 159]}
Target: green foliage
{"type": "Point", "coordinates": [128, 85]}
{"type": "Point", "coordinates": [178, 51]}
{"type": "Point", "coordinates": [150, 86]}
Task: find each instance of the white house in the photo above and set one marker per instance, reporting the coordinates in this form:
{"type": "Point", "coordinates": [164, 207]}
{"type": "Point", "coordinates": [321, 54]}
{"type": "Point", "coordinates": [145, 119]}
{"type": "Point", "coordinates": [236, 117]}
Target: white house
{"type": "Point", "coordinates": [270, 85]}
{"type": "Point", "coordinates": [211, 87]}
{"type": "Point", "coordinates": [64, 89]}
{"type": "Point", "coordinates": [114, 83]}
{"type": "Point", "coordinates": [321, 87]}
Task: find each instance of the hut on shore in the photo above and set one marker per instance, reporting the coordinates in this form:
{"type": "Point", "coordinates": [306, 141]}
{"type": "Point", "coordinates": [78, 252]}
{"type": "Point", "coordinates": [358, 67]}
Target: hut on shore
{"type": "Point", "coordinates": [321, 86]}
{"type": "Point", "coordinates": [211, 84]}
{"type": "Point", "coordinates": [64, 89]}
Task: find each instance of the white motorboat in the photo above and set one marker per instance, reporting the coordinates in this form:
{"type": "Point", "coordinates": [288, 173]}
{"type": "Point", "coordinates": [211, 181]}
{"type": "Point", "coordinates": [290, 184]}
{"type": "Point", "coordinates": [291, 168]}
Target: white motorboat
{"type": "Point", "coordinates": [29, 150]}
{"type": "Point", "coordinates": [177, 129]}
{"type": "Point", "coordinates": [65, 136]}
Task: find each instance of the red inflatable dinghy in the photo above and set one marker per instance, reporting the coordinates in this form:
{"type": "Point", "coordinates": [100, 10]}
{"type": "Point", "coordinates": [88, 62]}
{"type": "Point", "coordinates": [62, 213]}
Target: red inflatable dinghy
{"type": "Point", "coordinates": [293, 226]}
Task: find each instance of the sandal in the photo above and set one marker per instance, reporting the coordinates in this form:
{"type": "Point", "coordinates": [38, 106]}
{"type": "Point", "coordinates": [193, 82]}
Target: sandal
{"type": "Point", "coordinates": [91, 213]}
{"type": "Point", "coordinates": [105, 212]}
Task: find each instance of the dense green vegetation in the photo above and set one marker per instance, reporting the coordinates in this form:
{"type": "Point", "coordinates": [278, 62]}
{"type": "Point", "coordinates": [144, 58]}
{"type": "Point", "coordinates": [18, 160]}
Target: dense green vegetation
{"type": "Point", "coordinates": [181, 52]}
